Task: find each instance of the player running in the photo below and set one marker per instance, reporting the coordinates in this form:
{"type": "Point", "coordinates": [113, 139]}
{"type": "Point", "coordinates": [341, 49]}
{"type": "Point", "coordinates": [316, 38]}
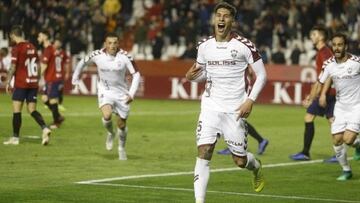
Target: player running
{"type": "Point", "coordinates": [113, 93]}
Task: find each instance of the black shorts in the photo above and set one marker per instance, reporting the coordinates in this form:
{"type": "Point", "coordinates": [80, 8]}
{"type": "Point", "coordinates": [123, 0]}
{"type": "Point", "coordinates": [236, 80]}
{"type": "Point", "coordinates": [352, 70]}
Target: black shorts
{"type": "Point", "coordinates": [316, 109]}
{"type": "Point", "coordinates": [52, 89]}
{"type": "Point", "coordinates": [22, 94]}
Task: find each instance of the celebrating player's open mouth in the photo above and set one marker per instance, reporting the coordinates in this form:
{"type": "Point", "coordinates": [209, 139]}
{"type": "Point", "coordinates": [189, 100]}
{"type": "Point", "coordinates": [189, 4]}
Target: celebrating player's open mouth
{"type": "Point", "coordinates": [222, 21]}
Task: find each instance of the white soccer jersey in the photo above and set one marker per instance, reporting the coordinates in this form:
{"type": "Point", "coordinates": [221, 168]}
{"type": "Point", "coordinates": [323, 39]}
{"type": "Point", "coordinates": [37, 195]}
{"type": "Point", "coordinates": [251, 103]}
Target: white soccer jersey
{"type": "Point", "coordinates": [226, 68]}
{"type": "Point", "coordinates": [111, 70]}
{"type": "Point", "coordinates": [346, 79]}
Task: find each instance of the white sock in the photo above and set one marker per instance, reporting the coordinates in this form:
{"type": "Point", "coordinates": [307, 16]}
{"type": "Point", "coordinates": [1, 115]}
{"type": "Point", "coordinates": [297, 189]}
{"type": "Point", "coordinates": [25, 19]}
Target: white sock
{"type": "Point", "coordinates": [108, 125]}
{"type": "Point", "coordinates": [252, 164]}
{"type": "Point", "coordinates": [201, 178]}
{"type": "Point", "coordinates": [122, 137]}
{"type": "Point", "coordinates": [340, 152]}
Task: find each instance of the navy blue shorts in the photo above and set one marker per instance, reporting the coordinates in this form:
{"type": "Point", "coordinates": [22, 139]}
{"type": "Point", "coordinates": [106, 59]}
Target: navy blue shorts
{"type": "Point", "coordinates": [316, 109]}
{"type": "Point", "coordinates": [28, 94]}
{"type": "Point", "coordinates": [52, 89]}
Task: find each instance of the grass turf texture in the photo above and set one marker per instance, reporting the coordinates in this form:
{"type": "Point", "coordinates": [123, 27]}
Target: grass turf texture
{"type": "Point", "coordinates": [161, 140]}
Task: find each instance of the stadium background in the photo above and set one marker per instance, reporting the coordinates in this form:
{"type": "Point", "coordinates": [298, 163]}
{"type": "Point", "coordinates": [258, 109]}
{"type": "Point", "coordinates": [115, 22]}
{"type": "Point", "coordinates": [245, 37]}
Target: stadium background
{"type": "Point", "coordinates": [153, 30]}
{"type": "Point", "coordinates": [161, 137]}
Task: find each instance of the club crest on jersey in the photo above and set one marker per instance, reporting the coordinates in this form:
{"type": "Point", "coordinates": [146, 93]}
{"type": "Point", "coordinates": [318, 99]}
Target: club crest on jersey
{"type": "Point", "coordinates": [349, 70]}
{"type": "Point", "coordinates": [234, 53]}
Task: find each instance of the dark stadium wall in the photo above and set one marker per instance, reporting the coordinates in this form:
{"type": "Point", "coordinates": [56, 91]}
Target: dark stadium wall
{"type": "Point", "coordinates": [165, 80]}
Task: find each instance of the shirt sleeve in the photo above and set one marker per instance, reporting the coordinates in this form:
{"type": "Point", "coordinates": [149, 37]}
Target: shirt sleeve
{"type": "Point", "coordinates": [14, 55]}
{"type": "Point", "coordinates": [200, 59]}
{"type": "Point", "coordinates": [130, 65]}
{"type": "Point", "coordinates": [46, 56]}
{"type": "Point", "coordinates": [260, 72]}
{"type": "Point", "coordinates": [324, 75]}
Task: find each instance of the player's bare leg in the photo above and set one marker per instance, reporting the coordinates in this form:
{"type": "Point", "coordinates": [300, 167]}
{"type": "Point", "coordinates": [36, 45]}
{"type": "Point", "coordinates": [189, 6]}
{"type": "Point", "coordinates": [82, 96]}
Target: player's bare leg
{"type": "Point", "coordinates": [31, 107]}
{"type": "Point", "coordinates": [106, 111]}
{"type": "Point", "coordinates": [16, 122]}
{"type": "Point", "coordinates": [202, 171]}
{"type": "Point", "coordinates": [251, 163]}
{"type": "Point", "coordinates": [122, 134]}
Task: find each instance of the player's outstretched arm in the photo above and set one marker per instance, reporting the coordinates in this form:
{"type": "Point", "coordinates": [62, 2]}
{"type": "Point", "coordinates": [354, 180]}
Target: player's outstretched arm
{"type": "Point", "coordinates": [196, 73]}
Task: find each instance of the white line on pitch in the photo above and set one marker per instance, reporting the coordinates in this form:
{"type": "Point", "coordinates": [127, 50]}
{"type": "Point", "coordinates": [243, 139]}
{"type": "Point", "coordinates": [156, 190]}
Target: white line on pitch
{"type": "Point", "coordinates": [140, 113]}
{"type": "Point", "coordinates": [229, 193]}
{"type": "Point", "coordinates": [191, 172]}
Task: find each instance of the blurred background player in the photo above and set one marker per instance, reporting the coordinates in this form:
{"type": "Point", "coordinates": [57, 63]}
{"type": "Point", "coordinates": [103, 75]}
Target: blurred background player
{"type": "Point", "coordinates": [114, 96]}
{"type": "Point", "coordinates": [5, 58]}
{"type": "Point", "coordinates": [262, 143]}
{"type": "Point", "coordinates": [53, 77]}
{"type": "Point", "coordinates": [318, 36]}
{"type": "Point", "coordinates": [62, 62]}
{"type": "Point", "coordinates": [344, 70]}
{"type": "Point", "coordinates": [223, 62]}
{"type": "Point", "coordinates": [24, 68]}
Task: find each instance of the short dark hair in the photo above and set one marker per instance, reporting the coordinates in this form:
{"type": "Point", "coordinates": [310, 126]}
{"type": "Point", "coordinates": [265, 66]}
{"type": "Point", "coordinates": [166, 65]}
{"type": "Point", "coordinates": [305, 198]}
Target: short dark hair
{"type": "Point", "coordinates": [341, 35]}
{"type": "Point", "coordinates": [227, 6]}
{"type": "Point", "coordinates": [322, 30]}
{"type": "Point", "coordinates": [17, 31]}
{"type": "Point", "coordinates": [112, 34]}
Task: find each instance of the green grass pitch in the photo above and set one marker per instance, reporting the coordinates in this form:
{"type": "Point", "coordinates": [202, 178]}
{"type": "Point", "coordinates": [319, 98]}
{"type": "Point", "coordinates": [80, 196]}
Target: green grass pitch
{"type": "Point", "coordinates": [161, 140]}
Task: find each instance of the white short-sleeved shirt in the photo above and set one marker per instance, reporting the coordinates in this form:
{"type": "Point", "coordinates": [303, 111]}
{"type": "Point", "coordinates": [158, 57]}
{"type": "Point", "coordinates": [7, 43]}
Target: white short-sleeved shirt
{"type": "Point", "coordinates": [112, 70]}
{"type": "Point", "coordinates": [226, 68]}
{"type": "Point", "coordinates": [346, 79]}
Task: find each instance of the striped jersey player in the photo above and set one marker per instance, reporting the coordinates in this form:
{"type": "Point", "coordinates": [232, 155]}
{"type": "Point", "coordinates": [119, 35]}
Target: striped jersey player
{"type": "Point", "coordinates": [344, 71]}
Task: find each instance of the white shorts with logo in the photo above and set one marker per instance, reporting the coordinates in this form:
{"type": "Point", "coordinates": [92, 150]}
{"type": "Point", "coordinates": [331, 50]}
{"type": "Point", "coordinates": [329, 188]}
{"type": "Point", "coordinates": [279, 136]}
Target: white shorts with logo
{"type": "Point", "coordinates": [116, 100]}
{"type": "Point", "coordinates": [346, 117]}
{"type": "Point", "coordinates": [212, 125]}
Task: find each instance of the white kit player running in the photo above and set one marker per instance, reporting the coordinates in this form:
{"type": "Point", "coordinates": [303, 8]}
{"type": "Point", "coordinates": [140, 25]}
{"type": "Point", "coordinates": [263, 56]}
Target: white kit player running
{"type": "Point", "coordinates": [222, 61]}
{"type": "Point", "coordinates": [344, 71]}
{"type": "Point", "coordinates": [114, 96]}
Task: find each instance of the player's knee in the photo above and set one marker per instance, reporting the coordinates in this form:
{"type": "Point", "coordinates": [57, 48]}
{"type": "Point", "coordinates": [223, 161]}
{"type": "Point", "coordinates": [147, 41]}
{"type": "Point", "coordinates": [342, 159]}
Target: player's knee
{"type": "Point", "coordinates": [44, 98]}
{"type": "Point", "coordinates": [121, 124]}
{"type": "Point", "coordinates": [206, 151]}
{"type": "Point", "coordinates": [349, 141]}
{"type": "Point", "coordinates": [53, 101]}
{"type": "Point", "coordinates": [240, 161]}
{"type": "Point", "coordinates": [309, 118]}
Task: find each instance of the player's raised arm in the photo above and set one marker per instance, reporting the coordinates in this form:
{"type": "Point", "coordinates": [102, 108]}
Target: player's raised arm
{"type": "Point", "coordinates": [80, 66]}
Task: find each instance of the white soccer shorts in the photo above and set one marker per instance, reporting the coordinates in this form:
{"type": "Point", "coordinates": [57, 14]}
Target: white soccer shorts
{"type": "Point", "coordinates": [116, 100]}
{"type": "Point", "coordinates": [346, 117]}
{"type": "Point", "coordinates": [212, 125]}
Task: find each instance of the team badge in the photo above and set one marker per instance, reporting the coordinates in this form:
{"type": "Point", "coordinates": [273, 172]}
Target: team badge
{"type": "Point", "coordinates": [234, 53]}
{"type": "Point", "coordinates": [349, 70]}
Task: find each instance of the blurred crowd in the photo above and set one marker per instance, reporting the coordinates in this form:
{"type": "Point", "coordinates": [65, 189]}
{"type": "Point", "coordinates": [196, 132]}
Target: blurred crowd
{"type": "Point", "coordinates": [163, 29]}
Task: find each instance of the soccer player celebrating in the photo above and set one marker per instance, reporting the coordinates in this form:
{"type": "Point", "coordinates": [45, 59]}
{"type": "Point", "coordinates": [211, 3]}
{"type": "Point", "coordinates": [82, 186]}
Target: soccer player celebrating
{"type": "Point", "coordinates": [24, 69]}
{"type": "Point", "coordinates": [53, 78]}
{"type": "Point", "coordinates": [222, 61]}
{"type": "Point", "coordinates": [344, 71]}
{"type": "Point", "coordinates": [318, 36]}
{"type": "Point", "coordinates": [113, 93]}
{"type": "Point", "coordinates": [62, 62]}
